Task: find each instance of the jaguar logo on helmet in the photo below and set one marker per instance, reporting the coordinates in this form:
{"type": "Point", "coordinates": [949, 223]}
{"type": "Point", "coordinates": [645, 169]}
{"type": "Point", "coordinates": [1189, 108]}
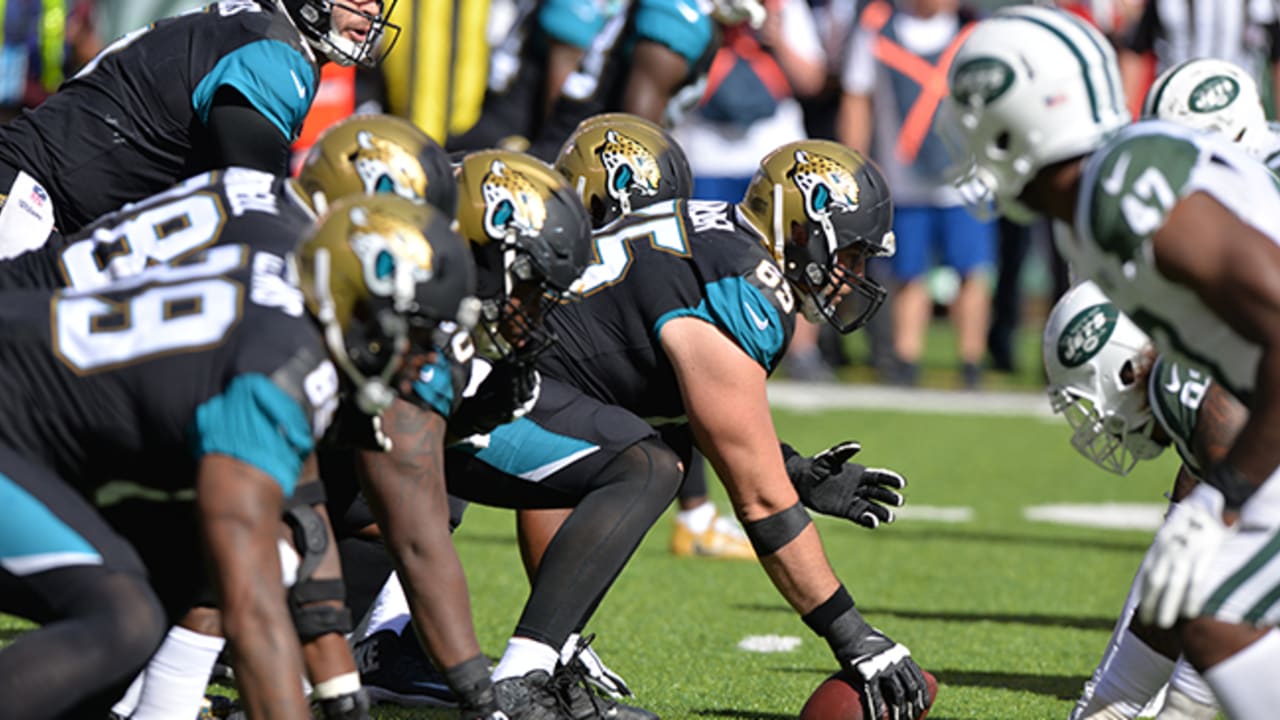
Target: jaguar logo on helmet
{"type": "Point", "coordinates": [1213, 94]}
{"type": "Point", "coordinates": [629, 167]}
{"type": "Point", "coordinates": [386, 167]}
{"type": "Point", "coordinates": [378, 240]}
{"type": "Point", "coordinates": [511, 203]}
{"type": "Point", "coordinates": [986, 78]}
{"type": "Point", "coordinates": [825, 186]}
{"type": "Point", "coordinates": [1086, 334]}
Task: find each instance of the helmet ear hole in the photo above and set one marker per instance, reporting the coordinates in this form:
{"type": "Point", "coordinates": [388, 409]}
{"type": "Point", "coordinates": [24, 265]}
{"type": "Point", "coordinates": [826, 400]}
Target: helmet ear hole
{"type": "Point", "coordinates": [1003, 141]}
{"type": "Point", "coordinates": [1128, 373]}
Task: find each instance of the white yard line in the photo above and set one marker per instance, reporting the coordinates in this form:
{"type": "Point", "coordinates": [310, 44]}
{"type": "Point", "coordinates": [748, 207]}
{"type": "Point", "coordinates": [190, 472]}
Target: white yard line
{"type": "Point", "coordinates": [817, 397]}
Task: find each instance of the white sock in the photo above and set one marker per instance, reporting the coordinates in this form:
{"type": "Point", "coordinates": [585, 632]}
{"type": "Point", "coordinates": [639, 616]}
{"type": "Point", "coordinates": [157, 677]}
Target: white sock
{"type": "Point", "coordinates": [1241, 681]}
{"type": "Point", "coordinates": [125, 705]}
{"type": "Point", "coordinates": [390, 610]}
{"type": "Point", "coordinates": [177, 675]}
{"type": "Point", "coordinates": [523, 656]}
{"type": "Point", "coordinates": [1179, 706]}
{"type": "Point", "coordinates": [1188, 682]}
{"type": "Point", "coordinates": [1130, 675]}
{"type": "Point", "coordinates": [699, 518]}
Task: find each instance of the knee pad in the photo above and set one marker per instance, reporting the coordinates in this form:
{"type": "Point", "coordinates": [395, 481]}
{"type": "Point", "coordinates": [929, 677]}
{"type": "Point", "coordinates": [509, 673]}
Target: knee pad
{"type": "Point", "coordinates": [311, 538]}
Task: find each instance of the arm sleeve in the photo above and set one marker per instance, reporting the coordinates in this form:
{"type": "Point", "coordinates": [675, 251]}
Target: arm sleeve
{"type": "Point", "coordinates": [676, 24]}
{"type": "Point", "coordinates": [240, 135]}
{"type": "Point", "coordinates": [571, 22]}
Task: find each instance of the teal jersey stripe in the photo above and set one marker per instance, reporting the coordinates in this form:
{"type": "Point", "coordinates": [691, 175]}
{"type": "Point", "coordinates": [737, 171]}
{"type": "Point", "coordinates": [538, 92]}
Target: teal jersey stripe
{"type": "Point", "coordinates": [255, 422]}
{"type": "Point", "coordinates": [527, 450]}
{"type": "Point", "coordinates": [739, 309]}
{"type": "Point", "coordinates": [275, 78]}
{"type": "Point", "coordinates": [435, 385]}
{"type": "Point", "coordinates": [32, 538]}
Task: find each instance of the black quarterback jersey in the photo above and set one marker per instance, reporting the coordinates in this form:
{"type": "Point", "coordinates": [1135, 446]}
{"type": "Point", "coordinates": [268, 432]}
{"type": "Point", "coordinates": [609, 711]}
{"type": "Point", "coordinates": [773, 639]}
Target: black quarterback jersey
{"type": "Point", "coordinates": [215, 354]}
{"type": "Point", "coordinates": [132, 122]}
{"type": "Point", "coordinates": [669, 260]}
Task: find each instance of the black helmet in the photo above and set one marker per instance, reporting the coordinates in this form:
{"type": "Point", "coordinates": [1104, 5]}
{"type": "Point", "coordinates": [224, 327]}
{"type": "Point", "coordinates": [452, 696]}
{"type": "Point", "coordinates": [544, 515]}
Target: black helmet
{"type": "Point", "coordinates": [823, 210]}
{"type": "Point", "coordinates": [529, 234]}
{"type": "Point", "coordinates": [618, 163]}
{"type": "Point", "coordinates": [314, 19]}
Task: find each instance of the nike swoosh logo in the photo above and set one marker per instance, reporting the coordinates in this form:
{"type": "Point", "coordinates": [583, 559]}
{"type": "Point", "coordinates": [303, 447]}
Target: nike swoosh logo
{"type": "Point", "coordinates": [1174, 384]}
{"type": "Point", "coordinates": [1115, 181]}
{"type": "Point", "coordinates": [688, 12]}
{"type": "Point", "coordinates": [302, 89]}
{"type": "Point", "coordinates": [761, 323]}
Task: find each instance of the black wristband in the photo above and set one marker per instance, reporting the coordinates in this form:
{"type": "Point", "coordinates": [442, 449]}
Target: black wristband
{"type": "Point", "coordinates": [820, 618]}
{"type": "Point", "coordinates": [469, 677]}
{"type": "Point", "coordinates": [1236, 489]}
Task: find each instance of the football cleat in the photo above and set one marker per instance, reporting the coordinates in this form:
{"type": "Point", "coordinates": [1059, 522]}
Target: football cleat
{"type": "Point", "coordinates": [573, 683]}
{"type": "Point", "coordinates": [532, 696]}
{"type": "Point", "coordinates": [722, 539]}
{"type": "Point", "coordinates": [393, 669]}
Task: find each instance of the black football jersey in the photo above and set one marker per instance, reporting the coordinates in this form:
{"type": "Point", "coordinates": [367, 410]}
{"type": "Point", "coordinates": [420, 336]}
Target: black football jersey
{"type": "Point", "coordinates": [674, 259]}
{"type": "Point", "coordinates": [232, 206]}
{"type": "Point", "coordinates": [215, 354]}
{"type": "Point", "coordinates": [132, 122]}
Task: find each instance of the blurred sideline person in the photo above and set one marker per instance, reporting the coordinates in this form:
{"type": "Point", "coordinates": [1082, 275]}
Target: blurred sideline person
{"type": "Point", "coordinates": [563, 61]}
{"type": "Point", "coordinates": [892, 92]}
{"type": "Point", "coordinates": [1174, 228]}
{"type": "Point", "coordinates": [227, 85]}
{"type": "Point", "coordinates": [240, 438]}
{"type": "Point", "coordinates": [1124, 406]}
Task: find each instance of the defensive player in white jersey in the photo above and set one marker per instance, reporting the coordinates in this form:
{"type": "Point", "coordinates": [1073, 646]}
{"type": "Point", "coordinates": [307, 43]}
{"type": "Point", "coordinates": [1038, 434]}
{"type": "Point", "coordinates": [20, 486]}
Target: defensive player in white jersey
{"type": "Point", "coordinates": [1179, 229]}
{"type": "Point", "coordinates": [1219, 96]}
{"type": "Point", "coordinates": [1126, 405]}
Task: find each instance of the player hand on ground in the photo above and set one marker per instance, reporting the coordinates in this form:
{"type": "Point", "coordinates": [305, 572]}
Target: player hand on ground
{"type": "Point", "coordinates": [892, 681]}
{"type": "Point", "coordinates": [1181, 556]}
{"type": "Point", "coordinates": [829, 484]}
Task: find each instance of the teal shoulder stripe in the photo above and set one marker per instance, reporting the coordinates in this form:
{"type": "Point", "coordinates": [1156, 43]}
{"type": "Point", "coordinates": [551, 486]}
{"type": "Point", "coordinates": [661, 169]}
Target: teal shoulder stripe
{"type": "Point", "coordinates": [274, 77]}
{"type": "Point", "coordinates": [34, 539]}
{"type": "Point", "coordinates": [257, 423]}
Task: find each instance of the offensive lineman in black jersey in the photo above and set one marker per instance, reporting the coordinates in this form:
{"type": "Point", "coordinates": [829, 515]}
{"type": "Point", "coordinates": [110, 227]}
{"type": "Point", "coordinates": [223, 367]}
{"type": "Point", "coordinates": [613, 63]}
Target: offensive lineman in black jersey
{"type": "Point", "coordinates": [688, 308]}
{"type": "Point", "coordinates": [214, 373]}
{"type": "Point", "coordinates": [228, 84]}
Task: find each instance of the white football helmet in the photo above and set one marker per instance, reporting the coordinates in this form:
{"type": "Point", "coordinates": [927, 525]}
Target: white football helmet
{"type": "Point", "coordinates": [1029, 87]}
{"type": "Point", "coordinates": [1211, 94]}
{"type": "Point", "coordinates": [1097, 360]}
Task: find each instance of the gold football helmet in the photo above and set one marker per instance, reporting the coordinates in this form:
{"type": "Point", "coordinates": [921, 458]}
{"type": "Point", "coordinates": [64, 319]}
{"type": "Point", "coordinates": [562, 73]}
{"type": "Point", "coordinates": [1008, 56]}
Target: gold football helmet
{"type": "Point", "coordinates": [531, 239]}
{"type": "Point", "coordinates": [823, 210]}
{"type": "Point", "coordinates": [619, 162]}
{"type": "Point", "coordinates": [370, 154]}
{"type": "Point", "coordinates": [379, 273]}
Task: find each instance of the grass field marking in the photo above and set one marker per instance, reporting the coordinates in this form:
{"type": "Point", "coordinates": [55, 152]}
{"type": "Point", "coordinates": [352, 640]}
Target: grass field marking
{"type": "Point", "coordinates": [1110, 516]}
{"type": "Point", "coordinates": [817, 397]}
{"type": "Point", "coordinates": [935, 513]}
{"type": "Point", "coordinates": [769, 643]}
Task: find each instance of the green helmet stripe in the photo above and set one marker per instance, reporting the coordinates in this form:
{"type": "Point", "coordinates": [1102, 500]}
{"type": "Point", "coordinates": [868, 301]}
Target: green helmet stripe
{"type": "Point", "coordinates": [1149, 108]}
{"type": "Point", "coordinates": [1075, 50]}
{"type": "Point", "coordinates": [1116, 102]}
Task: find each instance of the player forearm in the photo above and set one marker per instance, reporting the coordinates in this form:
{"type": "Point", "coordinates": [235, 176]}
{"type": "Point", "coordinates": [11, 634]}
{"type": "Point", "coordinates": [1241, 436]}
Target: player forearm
{"type": "Point", "coordinates": [240, 512]}
{"type": "Point", "coordinates": [1256, 451]}
{"type": "Point", "coordinates": [406, 491]}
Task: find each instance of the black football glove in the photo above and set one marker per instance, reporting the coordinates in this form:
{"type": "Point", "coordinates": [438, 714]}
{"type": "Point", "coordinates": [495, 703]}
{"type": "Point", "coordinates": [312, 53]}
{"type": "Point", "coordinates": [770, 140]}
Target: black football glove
{"type": "Point", "coordinates": [891, 680]}
{"type": "Point", "coordinates": [828, 484]}
{"type": "Point", "coordinates": [508, 392]}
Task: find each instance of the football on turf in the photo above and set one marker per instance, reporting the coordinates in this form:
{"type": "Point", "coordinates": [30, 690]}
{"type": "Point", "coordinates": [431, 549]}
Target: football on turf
{"type": "Point", "coordinates": [838, 699]}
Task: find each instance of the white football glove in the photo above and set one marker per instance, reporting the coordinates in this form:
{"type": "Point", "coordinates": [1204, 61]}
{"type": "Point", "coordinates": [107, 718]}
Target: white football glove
{"type": "Point", "coordinates": [1174, 583]}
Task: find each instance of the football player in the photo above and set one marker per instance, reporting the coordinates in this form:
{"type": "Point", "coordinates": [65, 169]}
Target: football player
{"type": "Point", "coordinates": [686, 310]}
{"type": "Point", "coordinates": [1216, 95]}
{"type": "Point", "coordinates": [1124, 406]}
{"type": "Point", "coordinates": [225, 85]}
{"type": "Point", "coordinates": [212, 377]}
{"type": "Point", "coordinates": [1177, 229]}
{"type": "Point", "coordinates": [564, 61]}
